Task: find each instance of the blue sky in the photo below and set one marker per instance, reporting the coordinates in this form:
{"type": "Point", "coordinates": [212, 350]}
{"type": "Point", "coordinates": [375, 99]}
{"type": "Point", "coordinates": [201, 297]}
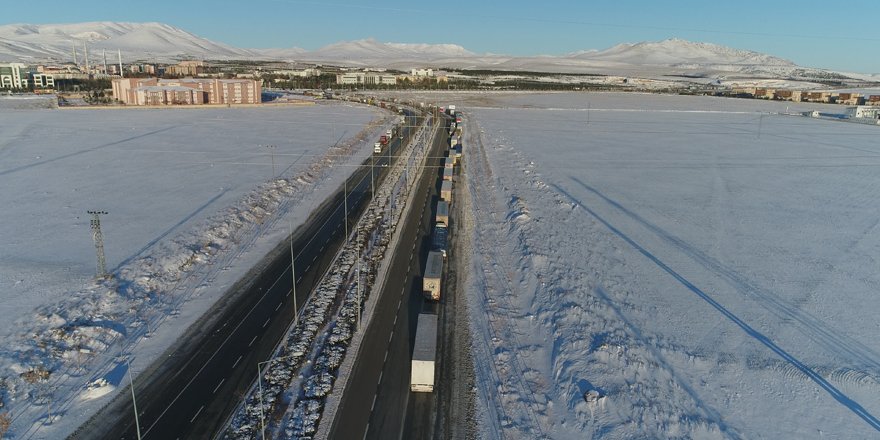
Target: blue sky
{"type": "Point", "coordinates": [808, 32]}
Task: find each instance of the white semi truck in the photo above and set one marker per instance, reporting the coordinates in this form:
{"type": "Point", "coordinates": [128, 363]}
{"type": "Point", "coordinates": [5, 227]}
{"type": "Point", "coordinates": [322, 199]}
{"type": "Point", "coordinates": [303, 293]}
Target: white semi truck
{"type": "Point", "coordinates": [424, 356]}
{"type": "Point", "coordinates": [432, 276]}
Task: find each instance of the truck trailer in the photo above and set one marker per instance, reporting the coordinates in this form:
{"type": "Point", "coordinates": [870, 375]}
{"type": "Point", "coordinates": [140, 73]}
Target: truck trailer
{"type": "Point", "coordinates": [442, 213]}
{"type": "Point", "coordinates": [424, 356]}
{"type": "Point", "coordinates": [446, 191]}
{"type": "Point", "coordinates": [440, 239]}
{"type": "Point", "coordinates": [447, 174]}
{"type": "Point", "coordinates": [432, 276]}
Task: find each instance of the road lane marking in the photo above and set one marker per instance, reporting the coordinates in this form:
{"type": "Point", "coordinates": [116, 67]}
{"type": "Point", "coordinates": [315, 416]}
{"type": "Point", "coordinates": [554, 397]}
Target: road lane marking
{"type": "Point", "coordinates": [252, 341]}
{"type": "Point", "coordinates": [381, 373]}
{"type": "Point", "coordinates": [236, 362]}
{"type": "Point", "coordinates": [386, 358]}
{"type": "Point", "coordinates": [218, 386]}
{"type": "Point", "coordinates": [265, 324]}
{"type": "Point", "coordinates": [374, 402]}
{"type": "Point", "coordinates": [279, 304]}
{"type": "Point", "coordinates": [197, 413]}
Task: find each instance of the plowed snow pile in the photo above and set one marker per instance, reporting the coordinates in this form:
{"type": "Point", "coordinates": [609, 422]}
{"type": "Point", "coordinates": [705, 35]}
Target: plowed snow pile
{"type": "Point", "coordinates": [672, 267]}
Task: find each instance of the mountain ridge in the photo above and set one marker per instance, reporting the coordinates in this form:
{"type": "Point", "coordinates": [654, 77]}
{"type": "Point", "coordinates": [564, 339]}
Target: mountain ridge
{"type": "Point", "coordinates": [157, 41]}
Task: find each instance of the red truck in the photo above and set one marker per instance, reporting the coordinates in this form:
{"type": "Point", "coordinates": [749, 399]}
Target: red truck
{"type": "Point", "coordinates": [383, 140]}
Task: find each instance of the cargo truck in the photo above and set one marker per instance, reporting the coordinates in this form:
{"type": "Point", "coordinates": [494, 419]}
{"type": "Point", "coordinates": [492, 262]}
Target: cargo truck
{"type": "Point", "coordinates": [433, 274]}
{"type": "Point", "coordinates": [439, 239]}
{"type": "Point", "coordinates": [442, 213]}
{"type": "Point", "coordinates": [447, 174]}
{"type": "Point", "coordinates": [424, 355]}
{"type": "Point", "coordinates": [446, 191]}
{"type": "Point", "coordinates": [377, 147]}
{"type": "Point", "coordinates": [449, 163]}
{"type": "Point", "coordinates": [383, 139]}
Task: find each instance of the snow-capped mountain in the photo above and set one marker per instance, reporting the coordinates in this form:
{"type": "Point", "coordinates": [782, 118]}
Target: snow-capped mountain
{"type": "Point", "coordinates": [24, 42]}
{"type": "Point", "coordinates": [370, 51]}
{"type": "Point", "coordinates": [157, 41]}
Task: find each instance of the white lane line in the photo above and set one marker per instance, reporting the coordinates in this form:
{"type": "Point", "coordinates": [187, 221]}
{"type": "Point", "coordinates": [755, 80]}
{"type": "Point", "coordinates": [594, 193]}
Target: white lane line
{"type": "Point", "coordinates": [197, 413]}
{"type": "Point", "coordinates": [391, 336]}
{"type": "Point", "coordinates": [279, 305]}
{"type": "Point", "coordinates": [381, 373]}
{"type": "Point", "coordinates": [314, 258]}
{"type": "Point", "coordinates": [236, 362]}
{"type": "Point", "coordinates": [265, 324]}
{"type": "Point", "coordinates": [395, 323]}
{"type": "Point", "coordinates": [367, 429]}
{"type": "Point", "coordinates": [374, 402]}
{"type": "Point", "coordinates": [218, 386]}
{"type": "Point", "coordinates": [252, 341]}
{"type": "Point", "coordinates": [307, 269]}
{"type": "Point", "coordinates": [386, 358]}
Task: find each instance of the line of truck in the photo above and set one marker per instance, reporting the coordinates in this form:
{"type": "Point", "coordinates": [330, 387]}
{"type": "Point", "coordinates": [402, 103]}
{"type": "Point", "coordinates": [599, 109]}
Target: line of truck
{"type": "Point", "coordinates": [425, 351]}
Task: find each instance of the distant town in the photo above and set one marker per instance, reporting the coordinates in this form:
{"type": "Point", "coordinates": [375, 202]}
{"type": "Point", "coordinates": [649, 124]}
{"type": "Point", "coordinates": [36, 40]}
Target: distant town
{"type": "Point", "coordinates": [196, 82]}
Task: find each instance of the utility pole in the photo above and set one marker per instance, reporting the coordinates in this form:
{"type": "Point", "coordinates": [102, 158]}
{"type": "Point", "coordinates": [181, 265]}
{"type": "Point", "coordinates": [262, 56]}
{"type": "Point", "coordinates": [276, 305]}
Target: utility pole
{"type": "Point", "coordinates": [272, 150]}
{"type": "Point", "coordinates": [293, 273]}
{"type": "Point", "coordinates": [119, 56]}
{"type": "Point", "coordinates": [345, 202]}
{"type": "Point", "coordinates": [99, 241]}
{"type": "Point", "coordinates": [359, 292]}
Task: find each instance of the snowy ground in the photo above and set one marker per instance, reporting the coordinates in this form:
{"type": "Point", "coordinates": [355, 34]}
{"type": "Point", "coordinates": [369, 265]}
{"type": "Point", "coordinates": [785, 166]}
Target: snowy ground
{"type": "Point", "coordinates": [700, 269]}
{"type": "Point", "coordinates": [192, 205]}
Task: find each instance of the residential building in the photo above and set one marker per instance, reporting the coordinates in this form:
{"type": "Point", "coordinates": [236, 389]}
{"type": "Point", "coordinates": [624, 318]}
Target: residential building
{"type": "Point", "coordinates": [187, 68]}
{"type": "Point", "coordinates": [850, 99]}
{"type": "Point", "coordinates": [193, 91]}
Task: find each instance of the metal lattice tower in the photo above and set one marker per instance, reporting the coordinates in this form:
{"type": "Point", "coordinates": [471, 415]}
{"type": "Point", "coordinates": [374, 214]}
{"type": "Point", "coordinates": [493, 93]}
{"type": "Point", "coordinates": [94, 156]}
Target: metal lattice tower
{"type": "Point", "coordinates": [99, 241]}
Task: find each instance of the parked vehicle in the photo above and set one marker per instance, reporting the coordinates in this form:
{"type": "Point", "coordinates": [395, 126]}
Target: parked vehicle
{"type": "Point", "coordinates": [383, 140]}
{"type": "Point", "coordinates": [447, 174]}
{"type": "Point", "coordinates": [424, 355]}
{"type": "Point", "coordinates": [442, 213]}
{"type": "Point", "coordinates": [446, 191]}
{"type": "Point", "coordinates": [440, 239]}
{"type": "Point", "coordinates": [431, 279]}
{"type": "Point", "coordinates": [377, 147]}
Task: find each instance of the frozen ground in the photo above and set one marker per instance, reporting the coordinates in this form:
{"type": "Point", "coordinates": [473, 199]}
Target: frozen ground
{"type": "Point", "coordinates": [192, 205]}
{"type": "Point", "coordinates": [698, 267]}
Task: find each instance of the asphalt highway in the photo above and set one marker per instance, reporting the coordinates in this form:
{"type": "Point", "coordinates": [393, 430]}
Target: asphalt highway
{"type": "Point", "coordinates": [376, 397]}
{"type": "Point", "coordinates": [194, 387]}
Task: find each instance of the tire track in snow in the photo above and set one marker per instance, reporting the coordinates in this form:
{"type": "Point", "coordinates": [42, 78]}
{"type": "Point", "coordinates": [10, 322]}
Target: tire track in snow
{"type": "Point", "coordinates": [838, 345]}
{"type": "Point", "coordinates": [835, 393]}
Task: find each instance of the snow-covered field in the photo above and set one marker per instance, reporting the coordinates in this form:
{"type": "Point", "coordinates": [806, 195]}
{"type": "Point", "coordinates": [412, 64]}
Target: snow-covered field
{"type": "Point", "coordinates": [192, 205]}
{"type": "Point", "coordinates": [697, 267]}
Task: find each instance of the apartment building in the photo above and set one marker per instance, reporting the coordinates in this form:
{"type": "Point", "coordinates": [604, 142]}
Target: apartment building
{"type": "Point", "coordinates": [186, 91]}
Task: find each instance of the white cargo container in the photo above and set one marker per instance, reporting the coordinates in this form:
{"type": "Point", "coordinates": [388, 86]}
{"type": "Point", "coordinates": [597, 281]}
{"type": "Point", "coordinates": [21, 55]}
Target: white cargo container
{"type": "Point", "coordinates": [424, 356]}
{"type": "Point", "coordinates": [446, 191]}
{"type": "Point", "coordinates": [447, 174]}
{"type": "Point", "coordinates": [432, 276]}
{"type": "Point", "coordinates": [442, 213]}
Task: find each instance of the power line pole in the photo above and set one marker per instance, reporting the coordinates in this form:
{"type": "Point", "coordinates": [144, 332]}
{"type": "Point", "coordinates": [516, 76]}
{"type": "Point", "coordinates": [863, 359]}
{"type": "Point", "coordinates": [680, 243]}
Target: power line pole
{"type": "Point", "coordinates": [99, 241]}
{"type": "Point", "coordinates": [293, 273]}
{"type": "Point", "coordinates": [272, 150]}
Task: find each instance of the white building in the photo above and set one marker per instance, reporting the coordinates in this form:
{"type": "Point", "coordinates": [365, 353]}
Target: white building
{"type": "Point", "coordinates": [13, 76]}
{"type": "Point", "coordinates": [864, 111]}
{"type": "Point", "coordinates": [367, 78]}
{"type": "Point", "coordinates": [422, 72]}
